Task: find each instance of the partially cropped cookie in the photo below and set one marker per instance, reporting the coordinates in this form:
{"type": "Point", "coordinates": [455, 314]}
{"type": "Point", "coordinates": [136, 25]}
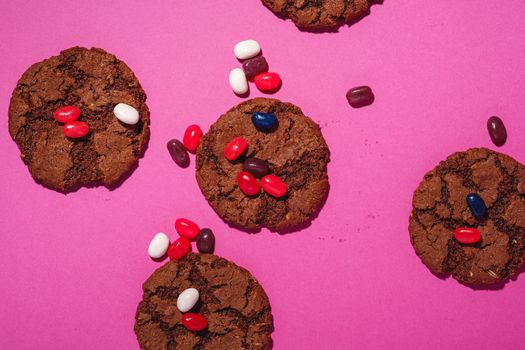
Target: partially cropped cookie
{"type": "Point", "coordinates": [94, 81]}
{"type": "Point", "coordinates": [230, 299]}
{"type": "Point", "coordinates": [293, 150]}
{"type": "Point", "coordinates": [440, 207]}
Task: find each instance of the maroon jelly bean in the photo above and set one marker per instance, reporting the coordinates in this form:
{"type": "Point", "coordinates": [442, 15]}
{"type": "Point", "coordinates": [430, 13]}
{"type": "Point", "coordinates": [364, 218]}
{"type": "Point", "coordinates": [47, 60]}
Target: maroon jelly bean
{"type": "Point", "coordinates": [254, 66]}
{"type": "Point", "coordinates": [497, 131]}
{"type": "Point", "coordinates": [178, 153]}
{"type": "Point", "coordinates": [360, 96]}
{"type": "Point", "coordinates": [206, 241]}
{"type": "Point", "coordinates": [255, 166]}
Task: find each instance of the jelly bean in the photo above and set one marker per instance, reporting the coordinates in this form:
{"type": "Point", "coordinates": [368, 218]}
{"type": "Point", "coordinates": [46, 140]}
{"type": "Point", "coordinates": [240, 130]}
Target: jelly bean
{"type": "Point", "coordinates": [467, 235]}
{"type": "Point", "coordinates": [235, 148]}
{"type": "Point", "coordinates": [267, 81]}
{"type": "Point", "coordinates": [254, 66]}
{"type": "Point", "coordinates": [158, 245]}
{"type": "Point", "coordinates": [76, 129]}
{"type": "Point", "coordinates": [126, 114]}
{"type": "Point", "coordinates": [477, 206]}
{"type": "Point", "coordinates": [238, 81]}
{"type": "Point", "coordinates": [264, 121]}
{"type": "Point", "coordinates": [178, 153]}
{"type": "Point", "coordinates": [187, 228]}
{"type": "Point", "coordinates": [191, 137]}
{"type": "Point", "coordinates": [247, 183]}
{"type": "Point", "coordinates": [194, 322]}
{"type": "Point", "coordinates": [255, 166]}
{"type": "Point", "coordinates": [66, 114]}
{"type": "Point", "coordinates": [273, 185]}
{"type": "Point", "coordinates": [206, 241]}
{"type": "Point", "coordinates": [187, 299]}
{"type": "Point", "coordinates": [246, 49]}
{"type": "Point", "coordinates": [360, 96]}
{"type": "Point", "coordinates": [179, 248]}
{"type": "Point", "coordinates": [497, 131]}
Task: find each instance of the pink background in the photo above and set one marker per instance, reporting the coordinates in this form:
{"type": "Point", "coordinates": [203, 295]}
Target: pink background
{"type": "Point", "coordinates": [71, 266]}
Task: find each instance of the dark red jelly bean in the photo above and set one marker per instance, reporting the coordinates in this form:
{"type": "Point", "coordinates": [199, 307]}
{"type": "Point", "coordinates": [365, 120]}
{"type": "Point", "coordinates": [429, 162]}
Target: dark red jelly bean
{"type": "Point", "coordinates": [497, 131]}
{"type": "Point", "coordinates": [235, 148]}
{"type": "Point", "coordinates": [76, 129]}
{"type": "Point", "coordinates": [360, 96]}
{"type": "Point", "coordinates": [194, 322]}
{"type": "Point", "coordinates": [206, 241]}
{"type": "Point", "coordinates": [273, 185]}
{"type": "Point", "coordinates": [187, 228]}
{"type": "Point", "coordinates": [467, 235]}
{"type": "Point", "coordinates": [66, 114]}
{"type": "Point", "coordinates": [247, 183]}
{"type": "Point", "coordinates": [179, 248]}
{"type": "Point", "coordinates": [255, 166]}
{"type": "Point", "coordinates": [178, 153]}
{"type": "Point", "coordinates": [191, 137]}
{"type": "Point", "coordinates": [267, 81]}
{"type": "Point", "coordinates": [254, 66]}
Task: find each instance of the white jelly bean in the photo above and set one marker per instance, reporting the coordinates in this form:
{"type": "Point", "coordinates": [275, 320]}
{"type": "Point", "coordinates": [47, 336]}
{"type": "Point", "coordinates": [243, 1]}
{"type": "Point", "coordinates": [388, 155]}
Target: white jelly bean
{"type": "Point", "coordinates": [238, 81]}
{"type": "Point", "coordinates": [158, 245]}
{"type": "Point", "coordinates": [246, 49]}
{"type": "Point", "coordinates": [126, 114]}
{"type": "Point", "coordinates": [187, 299]}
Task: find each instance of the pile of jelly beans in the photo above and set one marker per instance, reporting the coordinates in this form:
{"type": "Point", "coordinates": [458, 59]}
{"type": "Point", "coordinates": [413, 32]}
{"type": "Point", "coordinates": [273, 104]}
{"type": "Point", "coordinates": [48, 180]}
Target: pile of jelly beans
{"type": "Point", "coordinates": [468, 235]}
{"type": "Point", "coordinates": [254, 67]}
{"type": "Point", "coordinates": [190, 141]}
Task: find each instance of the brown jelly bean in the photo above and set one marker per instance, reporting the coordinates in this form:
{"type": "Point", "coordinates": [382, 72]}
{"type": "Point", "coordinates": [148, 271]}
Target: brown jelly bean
{"type": "Point", "coordinates": [497, 131]}
{"type": "Point", "coordinates": [206, 241]}
{"type": "Point", "coordinates": [178, 153]}
{"type": "Point", "coordinates": [254, 66]}
{"type": "Point", "coordinates": [255, 166]}
{"type": "Point", "coordinates": [360, 96]}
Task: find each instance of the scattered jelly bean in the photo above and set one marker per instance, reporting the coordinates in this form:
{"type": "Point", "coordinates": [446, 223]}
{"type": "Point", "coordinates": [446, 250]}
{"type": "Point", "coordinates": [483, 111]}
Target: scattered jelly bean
{"type": "Point", "coordinates": [467, 235]}
{"type": "Point", "coordinates": [191, 137]}
{"type": "Point", "coordinates": [477, 206]}
{"type": "Point", "coordinates": [246, 49]}
{"type": "Point", "coordinates": [273, 185]}
{"type": "Point", "coordinates": [264, 121]}
{"type": "Point", "coordinates": [66, 114]}
{"type": "Point", "coordinates": [178, 153]}
{"type": "Point", "coordinates": [187, 228]}
{"type": "Point", "coordinates": [126, 114]}
{"type": "Point", "coordinates": [247, 183]}
{"type": "Point", "coordinates": [267, 81]}
{"type": "Point", "coordinates": [179, 248]}
{"type": "Point", "coordinates": [235, 148]}
{"type": "Point", "coordinates": [238, 81]}
{"type": "Point", "coordinates": [194, 322]}
{"type": "Point", "coordinates": [206, 241]}
{"type": "Point", "coordinates": [497, 131]}
{"type": "Point", "coordinates": [187, 299]}
{"type": "Point", "coordinates": [254, 66]}
{"type": "Point", "coordinates": [360, 96]}
{"type": "Point", "coordinates": [158, 245]}
{"type": "Point", "coordinates": [255, 166]}
{"type": "Point", "coordinates": [76, 129]}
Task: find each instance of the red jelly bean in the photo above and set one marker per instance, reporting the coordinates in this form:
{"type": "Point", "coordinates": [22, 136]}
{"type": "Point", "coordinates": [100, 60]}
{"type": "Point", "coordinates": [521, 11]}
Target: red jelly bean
{"type": "Point", "coordinates": [235, 147]}
{"type": "Point", "coordinates": [247, 183]}
{"type": "Point", "coordinates": [267, 81]}
{"type": "Point", "coordinates": [273, 185]}
{"type": "Point", "coordinates": [194, 322]}
{"type": "Point", "coordinates": [467, 235]}
{"type": "Point", "coordinates": [66, 114]}
{"type": "Point", "coordinates": [187, 228]}
{"type": "Point", "coordinates": [179, 248]}
{"type": "Point", "coordinates": [76, 129]}
{"type": "Point", "coordinates": [191, 137]}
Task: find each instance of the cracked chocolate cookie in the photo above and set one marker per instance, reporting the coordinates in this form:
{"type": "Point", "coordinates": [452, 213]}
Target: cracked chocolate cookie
{"type": "Point", "coordinates": [440, 206]}
{"type": "Point", "coordinates": [319, 14]}
{"type": "Point", "coordinates": [294, 150]}
{"type": "Point", "coordinates": [94, 81]}
{"type": "Point", "coordinates": [234, 303]}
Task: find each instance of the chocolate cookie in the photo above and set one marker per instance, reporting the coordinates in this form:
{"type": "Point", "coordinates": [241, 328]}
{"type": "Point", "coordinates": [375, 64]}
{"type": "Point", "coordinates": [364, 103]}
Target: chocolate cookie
{"type": "Point", "coordinates": [319, 14]}
{"type": "Point", "coordinates": [233, 302]}
{"type": "Point", "coordinates": [94, 81]}
{"type": "Point", "coordinates": [439, 207]}
{"type": "Point", "coordinates": [294, 150]}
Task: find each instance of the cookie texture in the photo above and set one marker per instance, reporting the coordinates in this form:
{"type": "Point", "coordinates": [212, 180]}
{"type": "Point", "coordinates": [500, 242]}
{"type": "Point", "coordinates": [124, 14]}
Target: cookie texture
{"type": "Point", "coordinates": [94, 81]}
{"type": "Point", "coordinates": [439, 207]}
{"type": "Point", "coordinates": [295, 151]}
{"type": "Point", "coordinates": [319, 14]}
{"type": "Point", "coordinates": [233, 302]}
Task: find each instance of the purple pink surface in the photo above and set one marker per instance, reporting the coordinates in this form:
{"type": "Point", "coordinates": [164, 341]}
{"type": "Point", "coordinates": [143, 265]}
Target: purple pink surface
{"type": "Point", "coordinates": [72, 266]}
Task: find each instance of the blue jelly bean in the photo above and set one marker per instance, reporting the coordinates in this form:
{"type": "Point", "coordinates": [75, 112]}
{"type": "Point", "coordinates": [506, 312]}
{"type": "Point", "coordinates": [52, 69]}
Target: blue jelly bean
{"type": "Point", "coordinates": [263, 121]}
{"type": "Point", "coordinates": [477, 206]}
